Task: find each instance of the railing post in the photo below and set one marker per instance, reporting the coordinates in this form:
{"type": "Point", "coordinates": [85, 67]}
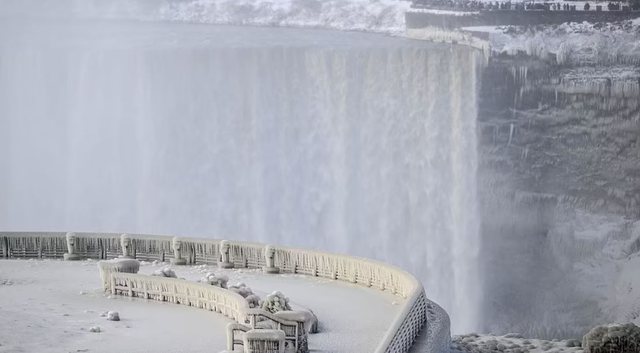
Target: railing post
{"type": "Point", "coordinates": [5, 247]}
{"type": "Point", "coordinates": [113, 285]}
{"type": "Point", "coordinates": [269, 257]}
{"type": "Point", "coordinates": [176, 244]}
{"type": "Point", "coordinates": [225, 249]}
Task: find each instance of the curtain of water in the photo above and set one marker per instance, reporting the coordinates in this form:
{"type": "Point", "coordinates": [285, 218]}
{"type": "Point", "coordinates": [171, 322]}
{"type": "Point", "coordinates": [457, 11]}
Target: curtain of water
{"type": "Point", "coordinates": [366, 150]}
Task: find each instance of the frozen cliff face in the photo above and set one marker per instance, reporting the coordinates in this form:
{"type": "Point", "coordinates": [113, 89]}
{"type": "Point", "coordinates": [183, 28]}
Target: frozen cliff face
{"type": "Point", "coordinates": [559, 177]}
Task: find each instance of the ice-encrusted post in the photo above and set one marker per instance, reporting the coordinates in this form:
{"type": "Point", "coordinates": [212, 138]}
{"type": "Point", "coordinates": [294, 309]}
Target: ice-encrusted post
{"type": "Point", "coordinates": [71, 255]}
{"type": "Point", "coordinates": [269, 257]}
{"type": "Point", "coordinates": [177, 252]}
{"type": "Point", "coordinates": [5, 247]}
{"type": "Point", "coordinates": [125, 243]}
{"type": "Point", "coordinates": [225, 247]}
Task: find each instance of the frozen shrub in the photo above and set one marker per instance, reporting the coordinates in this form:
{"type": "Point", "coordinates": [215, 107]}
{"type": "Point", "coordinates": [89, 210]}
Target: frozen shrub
{"type": "Point", "coordinates": [276, 302]}
{"type": "Point", "coordinates": [241, 289]}
{"type": "Point", "coordinates": [612, 338]}
{"type": "Point", "coordinates": [247, 293]}
{"type": "Point", "coordinates": [253, 300]}
{"type": "Point", "coordinates": [95, 329]}
{"type": "Point", "coordinates": [164, 272]}
{"type": "Point", "coordinates": [212, 279]}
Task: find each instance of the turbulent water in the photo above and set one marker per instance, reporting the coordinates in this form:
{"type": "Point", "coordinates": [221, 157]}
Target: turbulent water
{"type": "Point", "coordinates": [346, 142]}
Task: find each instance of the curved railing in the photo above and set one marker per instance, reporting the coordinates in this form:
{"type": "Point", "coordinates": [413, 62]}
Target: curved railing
{"type": "Point", "coordinates": [400, 336]}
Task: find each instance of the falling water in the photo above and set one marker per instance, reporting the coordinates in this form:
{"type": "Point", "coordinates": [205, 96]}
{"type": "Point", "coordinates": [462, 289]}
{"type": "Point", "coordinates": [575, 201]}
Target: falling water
{"type": "Point", "coordinates": [347, 142]}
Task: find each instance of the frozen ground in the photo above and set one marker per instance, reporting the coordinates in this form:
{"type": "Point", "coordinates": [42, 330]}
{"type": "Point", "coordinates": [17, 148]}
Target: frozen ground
{"type": "Point", "coordinates": [50, 306]}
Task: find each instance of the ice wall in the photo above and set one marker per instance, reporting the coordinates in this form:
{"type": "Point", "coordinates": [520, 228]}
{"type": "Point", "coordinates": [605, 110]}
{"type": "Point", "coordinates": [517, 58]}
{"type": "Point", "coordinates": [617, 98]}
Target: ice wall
{"type": "Point", "coordinates": [340, 141]}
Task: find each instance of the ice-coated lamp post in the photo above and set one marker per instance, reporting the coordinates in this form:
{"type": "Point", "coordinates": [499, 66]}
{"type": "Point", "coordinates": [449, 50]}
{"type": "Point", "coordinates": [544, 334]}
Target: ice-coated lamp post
{"type": "Point", "coordinates": [71, 248]}
{"type": "Point", "coordinates": [224, 252]}
{"type": "Point", "coordinates": [177, 252]}
{"type": "Point", "coordinates": [125, 243]}
{"type": "Point", "coordinates": [269, 257]}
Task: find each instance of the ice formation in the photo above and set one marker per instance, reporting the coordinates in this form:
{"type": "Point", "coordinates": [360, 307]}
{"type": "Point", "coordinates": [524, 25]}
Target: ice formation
{"type": "Point", "coordinates": [612, 338]}
{"type": "Point", "coordinates": [107, 267]}
{"type": "Point", "coordinates": [71, 247]}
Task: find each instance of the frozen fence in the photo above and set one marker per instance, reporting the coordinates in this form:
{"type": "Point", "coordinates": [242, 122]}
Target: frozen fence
{"type": "Point", "coordinates": [179, 291]}
{"type": "Point", "coordinates": [370, 273]}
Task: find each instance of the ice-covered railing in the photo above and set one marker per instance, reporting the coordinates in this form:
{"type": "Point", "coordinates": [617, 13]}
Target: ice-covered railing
{"type": "Point", "coordinates": [179, 291]}
{"type": "Point", "coordinates": [370, 273]}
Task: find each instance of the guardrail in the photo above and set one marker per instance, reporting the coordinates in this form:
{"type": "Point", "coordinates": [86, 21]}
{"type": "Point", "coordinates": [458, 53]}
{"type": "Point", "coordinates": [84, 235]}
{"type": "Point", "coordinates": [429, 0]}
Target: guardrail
{"type": "Point", "coordinates": [370, 273]}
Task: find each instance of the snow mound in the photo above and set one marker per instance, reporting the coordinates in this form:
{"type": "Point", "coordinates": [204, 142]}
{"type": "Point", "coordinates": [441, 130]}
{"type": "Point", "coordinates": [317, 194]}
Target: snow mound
{"type": "Point", "coordinates": [113, 316]}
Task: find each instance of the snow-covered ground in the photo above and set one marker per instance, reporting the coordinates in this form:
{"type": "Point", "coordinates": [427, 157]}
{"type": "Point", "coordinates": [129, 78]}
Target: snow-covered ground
{"type": "Point", "coordinates": [50, 306]}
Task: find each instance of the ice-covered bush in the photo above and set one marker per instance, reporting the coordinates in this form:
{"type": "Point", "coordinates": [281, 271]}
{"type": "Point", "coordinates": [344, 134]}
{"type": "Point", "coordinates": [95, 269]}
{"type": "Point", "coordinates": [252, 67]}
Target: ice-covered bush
{"type": "Point", "coordinates": [241, 289]}
{"type": "Point", "coordinates": [164, 272]}
{"type": "Point", "coordinates": [212, 279]}
{"type": "Point", "coordinates": [247, 293]}
{"type": "Point", "coordinates": [276, 302]}
{"type": "Point", "coordinates": [612, 338]}
{"type": "Point", "coordinates": [253, 300]}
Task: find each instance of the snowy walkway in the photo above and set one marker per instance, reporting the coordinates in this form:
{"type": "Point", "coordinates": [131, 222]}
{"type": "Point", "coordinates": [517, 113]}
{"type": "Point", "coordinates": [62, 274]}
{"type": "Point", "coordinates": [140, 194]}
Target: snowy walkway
{"type": "Point", "coordinates": [49, 306]}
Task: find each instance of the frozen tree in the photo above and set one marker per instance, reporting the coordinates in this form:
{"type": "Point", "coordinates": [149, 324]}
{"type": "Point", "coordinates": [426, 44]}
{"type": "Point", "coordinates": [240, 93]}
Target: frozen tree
{"type": "Point", "coordinates": [276, 302]}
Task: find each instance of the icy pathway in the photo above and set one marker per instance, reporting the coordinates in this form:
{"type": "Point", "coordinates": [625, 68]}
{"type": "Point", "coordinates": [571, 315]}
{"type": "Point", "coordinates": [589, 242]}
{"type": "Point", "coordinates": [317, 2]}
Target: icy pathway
{"type": "Point", "coordinates": [49, 306]}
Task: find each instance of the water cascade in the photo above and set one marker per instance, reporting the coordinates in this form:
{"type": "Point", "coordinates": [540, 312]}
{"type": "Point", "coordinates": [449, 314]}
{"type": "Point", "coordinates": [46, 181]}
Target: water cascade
{"type": "Point", "coordinates": [346, 142]}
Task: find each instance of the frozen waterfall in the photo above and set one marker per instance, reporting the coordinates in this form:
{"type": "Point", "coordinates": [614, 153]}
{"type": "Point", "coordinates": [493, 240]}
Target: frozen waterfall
{"type": "Point", "coordinates": [347, 142]}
